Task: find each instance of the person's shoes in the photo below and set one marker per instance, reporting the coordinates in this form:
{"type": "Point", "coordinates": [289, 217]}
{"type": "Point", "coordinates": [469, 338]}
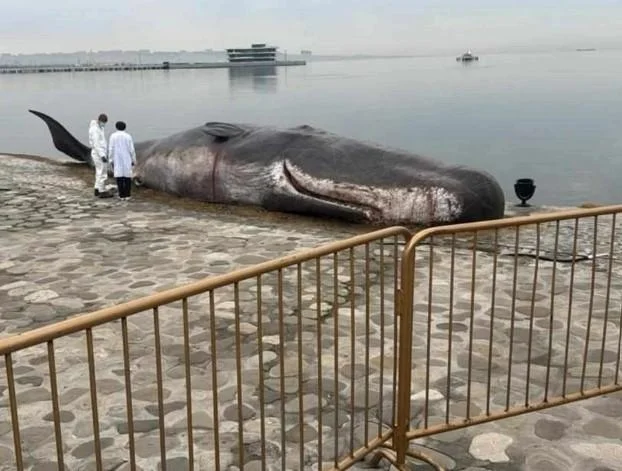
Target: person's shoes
{"type": "Point", "coordinates": [104, 194]}
{"type": "Point", "coordinates": [96, 192]}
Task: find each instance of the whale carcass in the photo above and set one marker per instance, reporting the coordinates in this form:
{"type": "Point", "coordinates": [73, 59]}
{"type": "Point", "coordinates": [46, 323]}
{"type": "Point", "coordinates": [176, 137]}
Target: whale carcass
{"type": "Point", "coordinates": [305, 170]}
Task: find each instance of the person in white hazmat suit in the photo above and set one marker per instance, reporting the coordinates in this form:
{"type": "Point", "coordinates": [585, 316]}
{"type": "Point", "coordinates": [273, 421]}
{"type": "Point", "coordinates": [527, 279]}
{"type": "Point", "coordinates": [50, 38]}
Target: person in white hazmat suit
{"type": "Point", "coordinates": [97, 142]}
{"type": "Point", "coordinates": [122, 157]}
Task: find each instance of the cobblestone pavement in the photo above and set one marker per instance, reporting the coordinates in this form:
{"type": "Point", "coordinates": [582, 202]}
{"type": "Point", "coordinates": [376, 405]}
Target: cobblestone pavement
{"type": "Point", "coordinates": [64, 252]}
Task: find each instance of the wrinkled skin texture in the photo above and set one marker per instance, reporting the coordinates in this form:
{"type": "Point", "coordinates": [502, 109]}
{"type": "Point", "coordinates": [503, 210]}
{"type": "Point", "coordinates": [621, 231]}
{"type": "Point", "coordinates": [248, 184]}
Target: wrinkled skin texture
{"type": "Point", "coordinates": [308, 171]}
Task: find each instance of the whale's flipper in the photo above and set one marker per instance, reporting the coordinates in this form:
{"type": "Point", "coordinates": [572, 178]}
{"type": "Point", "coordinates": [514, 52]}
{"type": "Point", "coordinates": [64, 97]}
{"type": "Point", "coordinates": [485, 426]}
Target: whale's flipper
{"type": "Point", "coordinates": [64, 141]}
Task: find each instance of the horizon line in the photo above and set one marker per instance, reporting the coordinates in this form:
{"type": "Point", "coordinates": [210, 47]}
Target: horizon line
{"type": "Point", "coordinates": [491, 50]}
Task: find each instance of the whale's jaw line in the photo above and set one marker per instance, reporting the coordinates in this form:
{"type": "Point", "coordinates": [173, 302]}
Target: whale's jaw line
{"type": "Point", "coordinates": [415, 205]}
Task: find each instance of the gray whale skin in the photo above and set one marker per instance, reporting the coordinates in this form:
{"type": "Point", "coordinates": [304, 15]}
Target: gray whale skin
{"type": "Point", "coordinates": [308, 171]}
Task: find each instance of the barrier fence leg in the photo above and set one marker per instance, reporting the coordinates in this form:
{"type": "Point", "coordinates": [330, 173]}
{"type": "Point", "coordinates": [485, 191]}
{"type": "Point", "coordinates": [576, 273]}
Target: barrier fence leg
{"type": "Point", "coordinates": [405, 313]}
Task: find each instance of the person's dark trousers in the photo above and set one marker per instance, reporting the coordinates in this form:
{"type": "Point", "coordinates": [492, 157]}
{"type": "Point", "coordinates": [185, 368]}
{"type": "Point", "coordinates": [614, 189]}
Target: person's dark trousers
{"type": "Point", "coordinates": [124, 184]}
{"type": "Point", "coordinates": [127, 186]}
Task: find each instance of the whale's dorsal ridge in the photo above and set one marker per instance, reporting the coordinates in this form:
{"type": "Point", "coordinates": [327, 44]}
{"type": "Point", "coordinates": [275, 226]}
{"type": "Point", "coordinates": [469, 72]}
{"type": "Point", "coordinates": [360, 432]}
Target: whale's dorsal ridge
{"type": "Point", "coordinates": [222, 130]}
{"type": "Point", "coordinates": [309, 129]}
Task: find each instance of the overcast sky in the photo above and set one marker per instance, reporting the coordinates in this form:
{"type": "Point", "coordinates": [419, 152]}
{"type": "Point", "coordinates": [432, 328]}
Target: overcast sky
{"type": "Point", "coordinates": [324, 26]}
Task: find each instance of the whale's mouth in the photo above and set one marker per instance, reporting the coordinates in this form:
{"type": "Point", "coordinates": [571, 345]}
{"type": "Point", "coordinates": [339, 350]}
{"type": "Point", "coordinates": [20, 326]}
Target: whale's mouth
{"type": "Point", "coordinates": [329, 192]}
{"type": "Point", "coordinates": [420, 204]}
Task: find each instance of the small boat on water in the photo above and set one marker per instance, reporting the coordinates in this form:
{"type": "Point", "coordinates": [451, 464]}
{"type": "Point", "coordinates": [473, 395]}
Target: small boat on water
{"type": "Point", "coordinates": [467, 56]}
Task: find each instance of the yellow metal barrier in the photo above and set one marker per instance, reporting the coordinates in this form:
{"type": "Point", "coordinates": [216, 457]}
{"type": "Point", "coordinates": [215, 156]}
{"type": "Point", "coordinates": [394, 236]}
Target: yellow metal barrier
{"type": "Point", "coordinates": [514, 300]}
{"type": "Point", "coordinates": [302, 362]}
{"type": "Point", "coordinates": [285, 363]}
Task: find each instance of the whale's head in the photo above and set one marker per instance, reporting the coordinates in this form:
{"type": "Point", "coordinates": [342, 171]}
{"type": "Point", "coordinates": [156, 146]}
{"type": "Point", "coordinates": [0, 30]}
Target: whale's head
{"type": "Point", "coordinates": [308, 170]}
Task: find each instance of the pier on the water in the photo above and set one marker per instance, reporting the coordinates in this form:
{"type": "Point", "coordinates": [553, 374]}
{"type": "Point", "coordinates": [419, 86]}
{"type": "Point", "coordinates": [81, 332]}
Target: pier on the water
{"type": "Point", "coordinates": [33, 69]}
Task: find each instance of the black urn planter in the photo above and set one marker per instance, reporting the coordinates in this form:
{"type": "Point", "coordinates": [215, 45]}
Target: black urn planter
{"type": "Point", "coordinates": [524, 190]}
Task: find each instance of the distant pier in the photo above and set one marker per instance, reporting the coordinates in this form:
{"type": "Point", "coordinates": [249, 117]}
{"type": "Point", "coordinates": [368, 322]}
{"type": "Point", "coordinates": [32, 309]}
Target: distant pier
{"type": "Point", "coordinates": [37, 69]}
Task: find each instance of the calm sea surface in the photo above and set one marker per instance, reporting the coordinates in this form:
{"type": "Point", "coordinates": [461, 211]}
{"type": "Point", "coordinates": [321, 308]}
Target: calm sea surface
{"type": "Point", "coordinates": [554, 117]}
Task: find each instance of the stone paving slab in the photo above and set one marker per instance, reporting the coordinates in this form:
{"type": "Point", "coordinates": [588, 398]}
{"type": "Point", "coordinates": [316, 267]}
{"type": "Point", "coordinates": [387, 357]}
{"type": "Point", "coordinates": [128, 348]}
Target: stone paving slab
{"type": "Point", "coordinates": [64, 252]}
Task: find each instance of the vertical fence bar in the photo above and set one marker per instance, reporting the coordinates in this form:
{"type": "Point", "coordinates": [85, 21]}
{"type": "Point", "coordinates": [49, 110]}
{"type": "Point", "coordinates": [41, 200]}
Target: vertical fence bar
{"type": "Point", "coordinates": [551, 315]}
{"type": "Point", "coordinates": [492, 317]}
{"type": "Point", "coordinates": [450, 332]}
{"type": "Point", "coordinates": [300, 364]}
{"type": "Point", "coordinates": [260, 369]}
{"type": "Point", "coordinates": [397, 299]}
{"type": "Point", "coordinates": [606, 320]}
{"type": "Point", "coordinates": [428, 334]}
{"type": "Point", "coordinates": [93, 387]}
{"type": "Point", "coordinates": [570, 296]}
{"type": "Point", "coordinates": [617, 374]}
{"type": "Point", "coordinates": [55, 407]}
{"type": "Point", "coordinates": [17, 441]}
{"type": "Point", "coordinates": [158, 354]}
{"type": "Point", "coordinates": [405, 354]}
{"type": "Point", "coordinates": [513, 319]}
{"type": "Point", "coordinates": [471, 324]}
{"type": "Point", "coordinates": [318, 307]}
{"type": "Point", "coordinates": [382, 337]}
{"type": "Point", "coordinates": [238, 372]}
{"type": "Point", "coordinates": [212, 322]}
{"type": "Point", "coordinates": [367, 330]}
{"type": "Point", "coordinates": [591, 308]}
{"type": "Point", "coordinates": [184, 304]}
{"type": "Point", "coordinates": [128, 392]}
{"type": "Point", "coordinates": [531, 317]}
{"type": "Point", "coordinates": [336, 355]}
{"type": "Point", "coordinates": [281, 360]}
{"type": "Point", "coordinates": [352, 348]}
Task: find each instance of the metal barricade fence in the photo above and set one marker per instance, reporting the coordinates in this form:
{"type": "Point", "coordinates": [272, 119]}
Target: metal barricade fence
{"type": "Point", "coordinates": [331, 355]}
{"type": "Point", "coordinates": [288, 364]}
{"type": "Point", "coordinates": [505, 317]}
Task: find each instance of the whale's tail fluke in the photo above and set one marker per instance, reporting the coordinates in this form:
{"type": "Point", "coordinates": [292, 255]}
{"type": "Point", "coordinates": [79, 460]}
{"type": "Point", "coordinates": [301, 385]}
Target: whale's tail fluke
{"type": "Point", "coordinates": [64, 141]}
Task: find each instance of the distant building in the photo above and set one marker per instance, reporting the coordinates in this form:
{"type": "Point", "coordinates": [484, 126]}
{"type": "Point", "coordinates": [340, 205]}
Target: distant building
{"type": "Point", "coordinates": [256, 53]}
{"type": "Point", "coordinates": [305, 52]}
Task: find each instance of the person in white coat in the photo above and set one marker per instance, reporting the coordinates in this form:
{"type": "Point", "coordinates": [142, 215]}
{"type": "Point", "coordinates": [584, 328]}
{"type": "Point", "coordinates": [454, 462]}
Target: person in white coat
{"type": "Point", "coordinates": [123, 158]}
{"type": "Point", "coordinates": [97, 141]}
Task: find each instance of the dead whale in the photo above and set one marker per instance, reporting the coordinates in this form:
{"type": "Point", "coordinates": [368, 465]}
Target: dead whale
{"type": "Point", "coordinates": [307, 171]}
